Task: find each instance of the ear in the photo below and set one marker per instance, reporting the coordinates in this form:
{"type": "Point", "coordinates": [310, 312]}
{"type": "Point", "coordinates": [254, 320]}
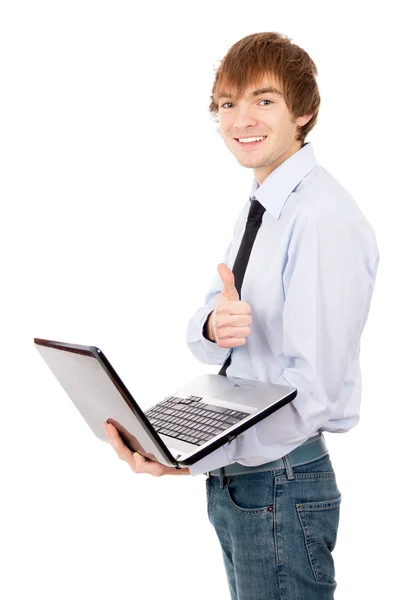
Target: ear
{"type": "Point", "coordinates": [301, 121]}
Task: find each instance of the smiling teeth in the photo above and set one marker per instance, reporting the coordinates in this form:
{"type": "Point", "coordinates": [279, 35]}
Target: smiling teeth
{"type": "Point", "coordinates": [252, 139]}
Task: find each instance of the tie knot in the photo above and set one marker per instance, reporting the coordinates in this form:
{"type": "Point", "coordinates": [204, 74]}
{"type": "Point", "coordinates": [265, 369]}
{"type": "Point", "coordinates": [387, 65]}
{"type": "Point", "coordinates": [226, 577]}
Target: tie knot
{"type": "Point", "coordinates": [256, 211]}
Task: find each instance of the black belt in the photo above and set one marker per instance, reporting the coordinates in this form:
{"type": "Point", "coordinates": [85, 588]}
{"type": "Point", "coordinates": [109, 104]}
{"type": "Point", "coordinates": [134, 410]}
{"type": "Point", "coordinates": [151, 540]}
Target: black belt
{"type": "Point", "coordinates": [310, 450]}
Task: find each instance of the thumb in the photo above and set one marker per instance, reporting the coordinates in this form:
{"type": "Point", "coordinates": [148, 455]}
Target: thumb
{"type": "Point", "coordinates": [228, 279]}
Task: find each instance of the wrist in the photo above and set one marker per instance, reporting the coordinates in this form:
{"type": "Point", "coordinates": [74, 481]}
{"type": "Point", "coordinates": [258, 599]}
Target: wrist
{"type": "Point", "coordinates": [184, 471]}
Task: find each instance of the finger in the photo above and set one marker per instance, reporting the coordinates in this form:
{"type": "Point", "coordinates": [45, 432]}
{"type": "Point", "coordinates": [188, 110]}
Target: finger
{"type": "Point", "coordinates": [234, 332]}
{"type": "Point", "coordinates": [119, 446]}
{"type": "Point", "coordinates": [231, 342]}
{"type": "Point", "coordinates": [235, 320]}
{"type": "Point", "coordinates": [241, 320]}
{"type": "Point", "coordinates": [235, 308]}
{"type": "Point", "coordinates": [228, 279]}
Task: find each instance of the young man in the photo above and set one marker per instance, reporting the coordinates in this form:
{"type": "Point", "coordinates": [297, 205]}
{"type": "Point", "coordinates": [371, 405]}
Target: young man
{"type": "Point", "coordinates": [272, 493]}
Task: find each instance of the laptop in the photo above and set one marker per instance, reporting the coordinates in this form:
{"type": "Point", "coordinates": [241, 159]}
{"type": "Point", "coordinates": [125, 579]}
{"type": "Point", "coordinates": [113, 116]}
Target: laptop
{"type": "Point", "coordinates": [184, 427]}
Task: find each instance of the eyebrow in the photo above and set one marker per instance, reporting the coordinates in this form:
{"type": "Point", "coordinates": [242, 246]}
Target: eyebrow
{"type": "Point", "coordinates": [259, 92]}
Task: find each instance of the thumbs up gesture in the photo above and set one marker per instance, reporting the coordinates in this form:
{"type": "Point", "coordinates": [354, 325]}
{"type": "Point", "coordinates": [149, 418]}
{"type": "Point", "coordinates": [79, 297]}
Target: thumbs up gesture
{"type": "Point", "coordinates": [229, 322]}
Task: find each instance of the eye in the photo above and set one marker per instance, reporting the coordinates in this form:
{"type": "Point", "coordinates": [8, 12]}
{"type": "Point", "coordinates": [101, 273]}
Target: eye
{"type": "Point", "coordinates": [230, 103]}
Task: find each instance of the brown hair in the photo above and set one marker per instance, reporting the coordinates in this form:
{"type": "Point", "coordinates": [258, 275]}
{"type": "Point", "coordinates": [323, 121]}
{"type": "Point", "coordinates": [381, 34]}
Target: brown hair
{"type": "Point", "coordinates": [271, 53]}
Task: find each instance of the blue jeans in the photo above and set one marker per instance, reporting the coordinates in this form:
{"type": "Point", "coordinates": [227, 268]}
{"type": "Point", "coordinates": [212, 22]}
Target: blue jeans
{"type": "Point", "coordinates": [277, 530]}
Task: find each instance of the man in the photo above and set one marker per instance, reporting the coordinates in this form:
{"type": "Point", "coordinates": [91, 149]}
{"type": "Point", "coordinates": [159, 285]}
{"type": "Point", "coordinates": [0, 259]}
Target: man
{"type": "Point", "coordinates": [272, 493]}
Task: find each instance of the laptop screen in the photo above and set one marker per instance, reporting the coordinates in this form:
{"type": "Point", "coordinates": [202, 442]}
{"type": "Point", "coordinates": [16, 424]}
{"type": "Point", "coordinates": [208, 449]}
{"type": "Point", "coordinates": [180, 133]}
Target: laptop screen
{"type": "Point", "coordinates": [99, 395]}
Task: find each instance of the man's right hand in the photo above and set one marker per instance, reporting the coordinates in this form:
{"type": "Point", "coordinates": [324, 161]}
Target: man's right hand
{"type": "Point", "coordinates": [229, 321]}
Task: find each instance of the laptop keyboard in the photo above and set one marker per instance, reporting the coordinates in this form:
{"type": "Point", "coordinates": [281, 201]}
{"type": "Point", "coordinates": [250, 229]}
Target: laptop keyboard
{"type": "Point", "coordinates": [190, 420]}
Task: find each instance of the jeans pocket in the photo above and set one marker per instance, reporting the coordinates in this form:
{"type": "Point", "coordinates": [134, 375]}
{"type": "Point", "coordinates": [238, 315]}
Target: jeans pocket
{"type": "Point", "coordinates": [320, 521]}
{"type": "Point", "coordinates": [250, 494]}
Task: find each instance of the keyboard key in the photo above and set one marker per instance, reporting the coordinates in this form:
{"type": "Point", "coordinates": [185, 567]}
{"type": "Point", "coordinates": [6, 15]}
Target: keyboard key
{"type": "Point", "coordinates": [232, 420]}
{"type": "Point", "coordinates": [180, 407]}
{"type": "Point", "coordinates": [212, 407]}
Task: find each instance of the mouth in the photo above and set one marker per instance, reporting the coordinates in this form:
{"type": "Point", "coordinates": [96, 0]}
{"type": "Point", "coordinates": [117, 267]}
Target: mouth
{"type": "Point", "coordinates": [250, 142]}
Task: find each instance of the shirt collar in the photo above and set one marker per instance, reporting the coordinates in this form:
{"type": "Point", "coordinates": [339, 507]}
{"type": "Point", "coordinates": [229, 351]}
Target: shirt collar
{"type": "Point", "coordinates": [278, 186]}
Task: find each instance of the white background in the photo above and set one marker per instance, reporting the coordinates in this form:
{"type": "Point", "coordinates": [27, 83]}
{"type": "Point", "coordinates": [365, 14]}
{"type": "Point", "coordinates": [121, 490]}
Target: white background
{"type": "Point", "coordinates": [118, 199]}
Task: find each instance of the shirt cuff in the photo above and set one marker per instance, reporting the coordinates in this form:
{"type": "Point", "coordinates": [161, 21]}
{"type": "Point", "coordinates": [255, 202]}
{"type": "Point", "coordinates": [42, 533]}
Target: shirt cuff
{"type": "Point", "coordinates": [214, 460]}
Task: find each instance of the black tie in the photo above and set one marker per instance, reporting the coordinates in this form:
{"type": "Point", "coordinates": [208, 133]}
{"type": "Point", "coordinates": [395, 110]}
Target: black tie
{"type": "Point", "coordinates": [253, 224]}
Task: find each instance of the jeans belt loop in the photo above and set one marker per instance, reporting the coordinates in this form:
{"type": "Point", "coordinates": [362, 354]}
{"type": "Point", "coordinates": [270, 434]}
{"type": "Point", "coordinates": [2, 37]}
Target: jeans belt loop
{"type": "Point", "coordinates": [222, 477]}
{"type": "Point", "coordinates": [288, 467]}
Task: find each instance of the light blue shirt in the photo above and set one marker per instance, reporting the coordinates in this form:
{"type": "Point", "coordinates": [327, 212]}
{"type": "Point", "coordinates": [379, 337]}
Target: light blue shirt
{"type": "Point", "coordinates": [309, 282]}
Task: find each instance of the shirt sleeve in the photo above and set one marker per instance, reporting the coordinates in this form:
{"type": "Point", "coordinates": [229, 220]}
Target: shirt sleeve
{"type": "Point", "coordinates": [328, 284]}
{"type": "Point", "coordinates": [215, 460]}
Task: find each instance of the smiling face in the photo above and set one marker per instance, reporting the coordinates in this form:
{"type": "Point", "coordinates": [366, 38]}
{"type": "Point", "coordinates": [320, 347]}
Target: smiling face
{"type": "Point", "coordinates": [261, 113]}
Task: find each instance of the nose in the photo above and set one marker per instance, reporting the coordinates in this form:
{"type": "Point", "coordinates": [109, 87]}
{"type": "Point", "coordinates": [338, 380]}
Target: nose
{"type": "Point", "coordinates": [244, 119]}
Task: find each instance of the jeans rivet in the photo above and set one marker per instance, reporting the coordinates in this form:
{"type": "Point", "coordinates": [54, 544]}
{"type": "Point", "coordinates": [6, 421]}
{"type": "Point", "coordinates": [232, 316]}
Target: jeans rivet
{"type": "Point", "coordinates": [270, 508]}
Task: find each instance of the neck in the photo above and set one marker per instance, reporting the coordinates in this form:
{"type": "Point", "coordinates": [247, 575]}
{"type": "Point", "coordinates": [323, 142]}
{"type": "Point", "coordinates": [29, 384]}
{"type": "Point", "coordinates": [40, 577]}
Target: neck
{"type": "Point", "coordinates": [261, 173]}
